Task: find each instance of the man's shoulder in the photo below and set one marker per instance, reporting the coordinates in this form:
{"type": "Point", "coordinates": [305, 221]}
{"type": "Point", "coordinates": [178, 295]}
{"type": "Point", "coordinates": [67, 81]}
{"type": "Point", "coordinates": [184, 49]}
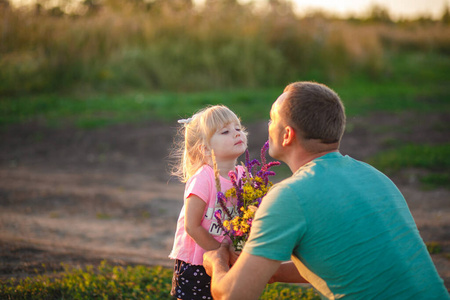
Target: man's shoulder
{"type": "Point", "coordinates": [285, 189]}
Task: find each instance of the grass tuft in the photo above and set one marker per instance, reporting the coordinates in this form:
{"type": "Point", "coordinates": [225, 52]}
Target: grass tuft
{"type": "Point", "coordinates": [432, 158]}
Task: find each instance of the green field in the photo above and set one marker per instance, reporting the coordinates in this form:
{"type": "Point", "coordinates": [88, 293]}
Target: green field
{"type": "Point", "coordinates": [428, 92]}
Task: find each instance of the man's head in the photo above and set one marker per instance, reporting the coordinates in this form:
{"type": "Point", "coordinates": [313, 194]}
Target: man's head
{"type": "Point", "coordinates": [313, 111]}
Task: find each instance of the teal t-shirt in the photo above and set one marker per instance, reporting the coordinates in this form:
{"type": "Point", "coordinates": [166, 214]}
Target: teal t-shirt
{"type": "Point", "coordinates": [349, 231]}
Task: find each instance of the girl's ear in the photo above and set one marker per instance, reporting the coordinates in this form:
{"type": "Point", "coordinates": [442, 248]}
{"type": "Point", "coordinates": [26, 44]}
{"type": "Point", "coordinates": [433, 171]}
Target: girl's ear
{"type": "Point", "coordinates": [205, 150]}
{"type": "Point", "coordinates": [288, 136]}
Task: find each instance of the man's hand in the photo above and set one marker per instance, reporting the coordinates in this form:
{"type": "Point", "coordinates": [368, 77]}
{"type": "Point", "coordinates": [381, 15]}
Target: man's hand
{"type": "Point", "coordinates": [233, 255]}
{"type": "Point", "coordinates": [239, 282]}
{"type": "Point", "coordinates": [219, 257]}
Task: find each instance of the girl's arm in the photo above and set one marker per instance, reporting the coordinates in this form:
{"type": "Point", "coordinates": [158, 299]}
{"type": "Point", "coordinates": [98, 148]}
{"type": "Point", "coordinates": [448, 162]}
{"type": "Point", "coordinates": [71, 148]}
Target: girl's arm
{"type": "Point", "coordinates": [195, 208]}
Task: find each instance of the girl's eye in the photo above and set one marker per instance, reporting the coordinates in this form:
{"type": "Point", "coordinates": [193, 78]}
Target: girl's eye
{"type": "Point", "coordinates": [225, 132]}
{"type": "Point", "coordinates": [238, 129]}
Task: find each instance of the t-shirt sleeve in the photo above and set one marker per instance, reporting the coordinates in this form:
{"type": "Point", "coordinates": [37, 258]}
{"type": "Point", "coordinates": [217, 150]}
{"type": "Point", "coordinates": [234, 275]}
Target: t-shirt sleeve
{"type": "Point", "coordinates": [278, 226]}
{"type": "Point", "coordinates": [199, 185]}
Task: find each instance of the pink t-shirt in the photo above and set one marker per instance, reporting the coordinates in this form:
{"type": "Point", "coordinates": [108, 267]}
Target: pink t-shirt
{"type": "Point", "coordinates": [202, 184]}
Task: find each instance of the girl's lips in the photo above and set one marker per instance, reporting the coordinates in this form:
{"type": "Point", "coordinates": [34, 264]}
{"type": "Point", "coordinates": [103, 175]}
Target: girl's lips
{"type": "Point", "coordinates": [238, 143]}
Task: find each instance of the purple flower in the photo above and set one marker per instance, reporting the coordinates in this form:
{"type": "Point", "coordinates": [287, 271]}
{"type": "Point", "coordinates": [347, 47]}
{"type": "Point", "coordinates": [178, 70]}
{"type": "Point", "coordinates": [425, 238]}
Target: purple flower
{"type": "Point", "coordinates": [272, 163]}
{"type": "Point", "coordinates": [223, 204]}
{"type": "Point", "coordinates": [247, 159]}
{"type": "Point", "coordinates": [238, 237]}
{"type": "Point", "coordinates": [233, 177]}
{"type": "Point", "coordinates": [263, 152]}
{"type": "Point", "coordinates": [252, 164]}
{"type": "Point", "coordinates": [218, 216]}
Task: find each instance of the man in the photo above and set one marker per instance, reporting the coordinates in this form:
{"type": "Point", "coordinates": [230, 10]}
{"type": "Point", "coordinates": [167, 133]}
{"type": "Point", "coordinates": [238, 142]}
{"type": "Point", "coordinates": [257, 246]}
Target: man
{"type": "Point", "coordinates": [344, 225]}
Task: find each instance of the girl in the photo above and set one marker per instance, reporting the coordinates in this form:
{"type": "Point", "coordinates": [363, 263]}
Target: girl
{"type": "Point", "coordinates": [213, 130]}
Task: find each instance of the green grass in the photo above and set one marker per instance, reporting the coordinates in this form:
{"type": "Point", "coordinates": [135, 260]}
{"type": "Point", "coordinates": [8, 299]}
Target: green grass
{"type": "Point", "coordinates": [433, 158]}
{"type": "Point", "coordinates": [414, 156]}
{"type": "Point", "coordinates": [432, 181]}
{"type": "Point", "coordinates": [102, 110]}
{"type": "Point", "coordinates": [434, 247]}
{"type": "Point", "coordinates": [115, 282]}
{"type": "Point", "coordinates": [415, 81]}
{"type": "Point", "coordinates": [426, 90]}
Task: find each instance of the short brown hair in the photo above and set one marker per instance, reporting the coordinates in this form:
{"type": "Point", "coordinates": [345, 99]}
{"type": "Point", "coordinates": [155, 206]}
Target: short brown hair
{"type": "Point", "coordinates": [315, 110]}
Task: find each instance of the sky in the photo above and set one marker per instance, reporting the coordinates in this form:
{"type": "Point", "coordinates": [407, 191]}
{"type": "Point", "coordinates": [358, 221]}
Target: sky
{"type": "Point", "coordinates": [396, 8]}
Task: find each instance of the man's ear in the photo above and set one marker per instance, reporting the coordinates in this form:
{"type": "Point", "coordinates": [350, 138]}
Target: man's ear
{"type": "Point", "coordinates": [288, 136]}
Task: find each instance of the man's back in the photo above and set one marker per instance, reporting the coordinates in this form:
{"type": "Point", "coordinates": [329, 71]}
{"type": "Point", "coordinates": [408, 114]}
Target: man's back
{"type": "Point", "coordinates": [350, 229]}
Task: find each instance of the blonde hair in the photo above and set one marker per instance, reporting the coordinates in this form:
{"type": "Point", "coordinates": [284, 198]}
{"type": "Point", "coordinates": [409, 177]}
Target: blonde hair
{"type": "Point", "coordinates": [196, 132]}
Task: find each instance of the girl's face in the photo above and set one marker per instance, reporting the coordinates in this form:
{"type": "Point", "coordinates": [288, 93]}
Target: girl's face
{"type": "Point", "coordinates": [228, 142]}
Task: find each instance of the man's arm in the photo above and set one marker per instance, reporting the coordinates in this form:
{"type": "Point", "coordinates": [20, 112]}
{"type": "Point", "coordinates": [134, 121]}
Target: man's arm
{"type": "Point", "coordinates": [245, 280]}
{"type": "Point", "coordinates": [287, 272]}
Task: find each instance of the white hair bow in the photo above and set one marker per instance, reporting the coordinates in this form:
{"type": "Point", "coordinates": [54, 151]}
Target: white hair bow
{"type": "Point", "coordinates": [185, 121]}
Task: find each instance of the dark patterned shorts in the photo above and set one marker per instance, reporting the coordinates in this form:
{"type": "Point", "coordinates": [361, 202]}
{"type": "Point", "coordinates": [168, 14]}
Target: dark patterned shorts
{"type": "Point", "coordinates": [190, 282]}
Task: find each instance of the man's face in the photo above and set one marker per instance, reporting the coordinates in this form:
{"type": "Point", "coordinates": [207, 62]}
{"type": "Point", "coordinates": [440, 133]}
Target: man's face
{"type": "Point", "coordinates": [276, 128]}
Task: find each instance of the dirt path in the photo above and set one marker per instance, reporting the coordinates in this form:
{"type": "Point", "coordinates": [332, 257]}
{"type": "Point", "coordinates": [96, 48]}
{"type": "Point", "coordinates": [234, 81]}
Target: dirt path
{"type": "Point", "coordinates": [79, 197]}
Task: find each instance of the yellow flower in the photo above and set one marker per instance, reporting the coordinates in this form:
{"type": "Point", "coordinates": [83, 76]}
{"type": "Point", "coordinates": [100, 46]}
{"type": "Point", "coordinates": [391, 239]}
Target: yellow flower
{"type": "Point", "coordinates": [230, 193]}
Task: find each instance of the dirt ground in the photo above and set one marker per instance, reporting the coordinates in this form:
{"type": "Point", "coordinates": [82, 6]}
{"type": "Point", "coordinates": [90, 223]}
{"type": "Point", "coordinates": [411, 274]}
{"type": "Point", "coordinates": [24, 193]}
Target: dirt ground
{"type": "Point", "coordinates": [78, 197]}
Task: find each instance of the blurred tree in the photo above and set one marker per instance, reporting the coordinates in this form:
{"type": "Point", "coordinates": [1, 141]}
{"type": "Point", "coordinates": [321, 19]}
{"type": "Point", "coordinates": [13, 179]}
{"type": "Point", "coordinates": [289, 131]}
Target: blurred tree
{"type": "Point", "coordinates": [283, 7]}
{"type": "Point", "coordinates": [225, 2]}
{"type": "Point", "coordinates": [56, 11]}
{"type": "Point", "coordinates": [38, 9]}
{"type": "Point", "coordinates": [176, 5]}
{"type": "Point", "coordinates": [179, 4]}
{"type": "Point", "coordinates": [378, 13]}
{"type": "Point", "coordinates": [4, 16]}
{"type": "Point", "coordinates": [446, 15]}
{"type": "Point", "coordinates": [4, 4]}
{"type": "Point", "coordinates": [424, 20]}
{"type": "Point", "coordinates": [92, 6]}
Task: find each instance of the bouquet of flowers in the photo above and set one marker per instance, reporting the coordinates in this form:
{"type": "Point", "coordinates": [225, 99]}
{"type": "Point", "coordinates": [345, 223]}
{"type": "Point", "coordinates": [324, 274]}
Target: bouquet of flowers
{"type": "Point", "coordinates": [249, 191]}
